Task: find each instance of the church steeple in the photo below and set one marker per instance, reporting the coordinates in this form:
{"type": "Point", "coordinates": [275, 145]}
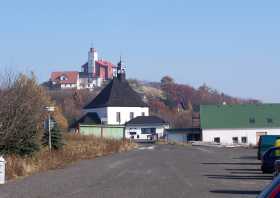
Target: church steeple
{"type": "Point", "coordinates": [121, 70]}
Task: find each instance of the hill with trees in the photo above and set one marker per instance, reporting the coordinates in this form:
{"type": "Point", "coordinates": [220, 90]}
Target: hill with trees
{"type": "Point", "coordinates": [174, 102]}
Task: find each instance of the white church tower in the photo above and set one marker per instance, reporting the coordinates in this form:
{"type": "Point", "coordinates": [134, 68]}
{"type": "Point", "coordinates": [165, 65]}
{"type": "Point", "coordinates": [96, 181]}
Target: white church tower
{"type": "Point", "coordinates": [92, 57]}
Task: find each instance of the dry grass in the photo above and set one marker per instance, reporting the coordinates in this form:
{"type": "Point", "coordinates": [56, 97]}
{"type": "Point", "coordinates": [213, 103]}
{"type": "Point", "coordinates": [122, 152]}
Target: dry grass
{"type": "Point", "coordinates": [76, 148]}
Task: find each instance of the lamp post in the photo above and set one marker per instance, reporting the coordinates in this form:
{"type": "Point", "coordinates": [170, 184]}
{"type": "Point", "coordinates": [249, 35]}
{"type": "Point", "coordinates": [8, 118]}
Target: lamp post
{"type": "Point", "coordinates": [49, 110]}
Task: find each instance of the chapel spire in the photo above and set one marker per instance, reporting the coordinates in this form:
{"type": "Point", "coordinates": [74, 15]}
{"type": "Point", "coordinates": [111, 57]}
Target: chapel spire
{"type": "Point", "coordinates": [121, 70]}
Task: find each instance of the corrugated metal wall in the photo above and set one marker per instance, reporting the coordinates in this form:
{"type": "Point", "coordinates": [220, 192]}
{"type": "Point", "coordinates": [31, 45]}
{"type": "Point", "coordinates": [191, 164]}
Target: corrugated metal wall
{"type": "Point", "coordinates": [177, 137]}
{"type": "Point", "coordinates": [106, 131]}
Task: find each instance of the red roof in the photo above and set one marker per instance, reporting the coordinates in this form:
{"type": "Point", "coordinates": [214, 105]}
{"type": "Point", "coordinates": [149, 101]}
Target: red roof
{"type": "Point", "coordinates": [71, 77]}
{"type": "Point", "coordinates": [104, 63]}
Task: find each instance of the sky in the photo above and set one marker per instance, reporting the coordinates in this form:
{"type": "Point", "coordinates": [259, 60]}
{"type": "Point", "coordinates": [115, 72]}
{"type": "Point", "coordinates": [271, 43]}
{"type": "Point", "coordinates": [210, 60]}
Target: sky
{"type": "Point", "coordinates": [232, 46]}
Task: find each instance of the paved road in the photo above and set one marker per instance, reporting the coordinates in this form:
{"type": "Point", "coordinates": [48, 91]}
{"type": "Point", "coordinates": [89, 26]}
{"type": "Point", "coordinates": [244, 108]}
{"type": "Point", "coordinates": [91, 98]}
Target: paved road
{"type": "Point", "coordinates": [160, 171]}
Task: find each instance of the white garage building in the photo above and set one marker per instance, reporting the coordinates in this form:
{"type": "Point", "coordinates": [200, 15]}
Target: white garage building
{"type": "Point", "coordinates": [239, 124]}
{"type": "Point", "coordinates": [146, 128]}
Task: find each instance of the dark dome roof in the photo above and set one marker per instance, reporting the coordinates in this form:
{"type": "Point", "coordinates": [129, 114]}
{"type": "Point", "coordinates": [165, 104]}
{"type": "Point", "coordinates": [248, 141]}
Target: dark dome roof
{"type": "Point", "coordinates": [88, 118]}
{"type": "Point", "coordinates": [117, 93]}
{"type": "Point", "coordinates": [140, 120]}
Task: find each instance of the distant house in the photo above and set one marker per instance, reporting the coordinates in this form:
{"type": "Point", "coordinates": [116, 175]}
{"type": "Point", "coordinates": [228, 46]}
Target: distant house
{"type": "Point", "coordinates": [117, 103]}
{"type": "Point", "coordinates": [65, 79]}
{"type": "Point", "coordinates": [93, 73]}
{"type": "Point", "coordinates": [239, 124]}
{"type": "Point", "coordinates": [145, 128]}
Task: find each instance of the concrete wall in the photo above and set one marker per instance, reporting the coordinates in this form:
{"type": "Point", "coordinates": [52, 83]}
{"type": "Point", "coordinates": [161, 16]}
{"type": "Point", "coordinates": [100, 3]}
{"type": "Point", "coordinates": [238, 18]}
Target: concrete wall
{"type": "Point", "coordinates": [105, 131]}
{"type": "Point", "coordinates": [226, 135]}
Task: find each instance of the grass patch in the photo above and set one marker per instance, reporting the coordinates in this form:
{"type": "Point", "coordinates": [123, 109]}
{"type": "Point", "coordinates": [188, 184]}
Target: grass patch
{"type": "Point", "coordinates": [77, 147]}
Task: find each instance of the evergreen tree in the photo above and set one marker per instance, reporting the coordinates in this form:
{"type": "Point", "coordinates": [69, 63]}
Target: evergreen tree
{"type": "Point", "coordinates": [56, 137]}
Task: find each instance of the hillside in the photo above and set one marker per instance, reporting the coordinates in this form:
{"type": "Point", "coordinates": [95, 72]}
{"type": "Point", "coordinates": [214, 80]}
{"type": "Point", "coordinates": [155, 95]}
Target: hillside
{"type": "Point", "coordinates": [174, 102]}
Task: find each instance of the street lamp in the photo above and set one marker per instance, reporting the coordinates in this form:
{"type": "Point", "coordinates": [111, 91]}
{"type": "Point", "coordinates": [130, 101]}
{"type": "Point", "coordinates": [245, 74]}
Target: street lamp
{"type": "Point", "coordinates": [49, 109]}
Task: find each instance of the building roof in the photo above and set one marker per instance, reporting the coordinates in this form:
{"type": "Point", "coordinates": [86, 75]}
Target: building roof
{"type": "Point", "coordinates": [104, 63]}
{"type": "Point", "coordinates": [71, 77]}
{"type": "Point", "coordinates": [143, 120]}
{"type": "Point", "coordinates": [117, 93]}
{"type": "Point", "coordinates": [90, 118]}
{"type": "Point", "coordinates": [240, 116]}
{"type": "Point", "coordinates": [85, 65]}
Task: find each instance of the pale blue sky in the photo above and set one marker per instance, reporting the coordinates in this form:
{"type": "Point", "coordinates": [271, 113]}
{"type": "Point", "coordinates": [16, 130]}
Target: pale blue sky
{"type": "Point", "coordinates": [231, 45]}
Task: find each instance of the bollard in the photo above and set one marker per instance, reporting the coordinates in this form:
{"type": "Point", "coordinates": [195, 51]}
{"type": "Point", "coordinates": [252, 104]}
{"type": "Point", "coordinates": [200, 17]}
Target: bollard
{"type": "Point", "coordinates": [2, 170]}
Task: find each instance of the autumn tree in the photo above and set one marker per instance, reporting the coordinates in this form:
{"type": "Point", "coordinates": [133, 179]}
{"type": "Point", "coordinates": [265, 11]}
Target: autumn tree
{"type": "Point", "coordinates": [166, 80]}
{"type": "Point", "coordinates": [71, 102]}
{"type": "Point", "coordinates": [22, 103]}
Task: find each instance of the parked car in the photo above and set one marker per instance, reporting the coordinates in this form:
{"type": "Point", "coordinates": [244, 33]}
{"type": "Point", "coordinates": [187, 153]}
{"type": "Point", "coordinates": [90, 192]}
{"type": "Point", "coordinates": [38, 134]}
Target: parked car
{"type": "Point", "coordinates": [276, 168]}
{"type": "Point", "coordinates": [269, 158]}
{"type": "Point", "coordinates": [265, 143]}
{"type": "Point", "coordinates": [272, 190]}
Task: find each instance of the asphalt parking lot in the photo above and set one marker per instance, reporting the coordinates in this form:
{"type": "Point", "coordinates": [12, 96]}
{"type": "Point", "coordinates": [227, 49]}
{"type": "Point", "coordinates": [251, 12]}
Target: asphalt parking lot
{"type": "Point", "coordinates": [151, 171]}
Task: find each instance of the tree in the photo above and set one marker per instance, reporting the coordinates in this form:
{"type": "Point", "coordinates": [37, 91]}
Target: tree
{"type": "Point", "coordinates": [22, 103]}
{"type": "Point", "coordinates": [56, 137]}
{"type": "Point", "coordinates": [60, 119]}
{"type": "Point", "coordinates": [71, 102]}
{"type": "Point", "coordinates": [166, 80]}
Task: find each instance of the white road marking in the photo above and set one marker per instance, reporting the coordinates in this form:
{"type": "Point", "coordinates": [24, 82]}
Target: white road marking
{"type": "Point", "coordinates": [204, 150]}
{"type": "Point", "coordinates": [147, 148]}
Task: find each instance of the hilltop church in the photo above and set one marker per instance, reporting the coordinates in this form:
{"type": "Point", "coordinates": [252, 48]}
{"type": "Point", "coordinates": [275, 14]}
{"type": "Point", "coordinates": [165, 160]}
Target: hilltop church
{"type": "Point", "coordinates": [93, 73]}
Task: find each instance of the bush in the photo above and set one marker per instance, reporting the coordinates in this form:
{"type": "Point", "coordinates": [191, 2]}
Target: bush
{"type": "Point", "coordinates": [22, 103]}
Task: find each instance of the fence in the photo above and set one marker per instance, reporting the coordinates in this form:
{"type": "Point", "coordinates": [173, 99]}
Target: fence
{"type": "Point", "coordinates": [105, 131]}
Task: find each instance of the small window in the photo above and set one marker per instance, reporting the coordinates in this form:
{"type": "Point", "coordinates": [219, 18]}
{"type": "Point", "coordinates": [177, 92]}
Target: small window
{"type": "Point", "coordinates": [148, 130]}
{"type": "Point", "coordinates": [235, 140]}
{"type": "Point", "coordinates": [244, 140]}
{"type": "Point", "coordinates": [63, 78]}
{"type": "Point", "coordinates": [118, 117]}
{"type": "Point", "coordinates": [217, 140]}
{"type": "Point", "coordinates": [252, 120]}
{"type": "Point", "coordinates": [131, 115]}
{"type": "Point", "coordinates": [269, 120]}
{"type": "Point", "coordinates": [143, 113]}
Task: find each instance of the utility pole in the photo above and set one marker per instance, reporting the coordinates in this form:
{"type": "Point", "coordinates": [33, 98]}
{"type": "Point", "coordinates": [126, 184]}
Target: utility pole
{"type": "Point", "coordinates": [49, 109]}
{"type": "Point", "coordinates": [50, 133]}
